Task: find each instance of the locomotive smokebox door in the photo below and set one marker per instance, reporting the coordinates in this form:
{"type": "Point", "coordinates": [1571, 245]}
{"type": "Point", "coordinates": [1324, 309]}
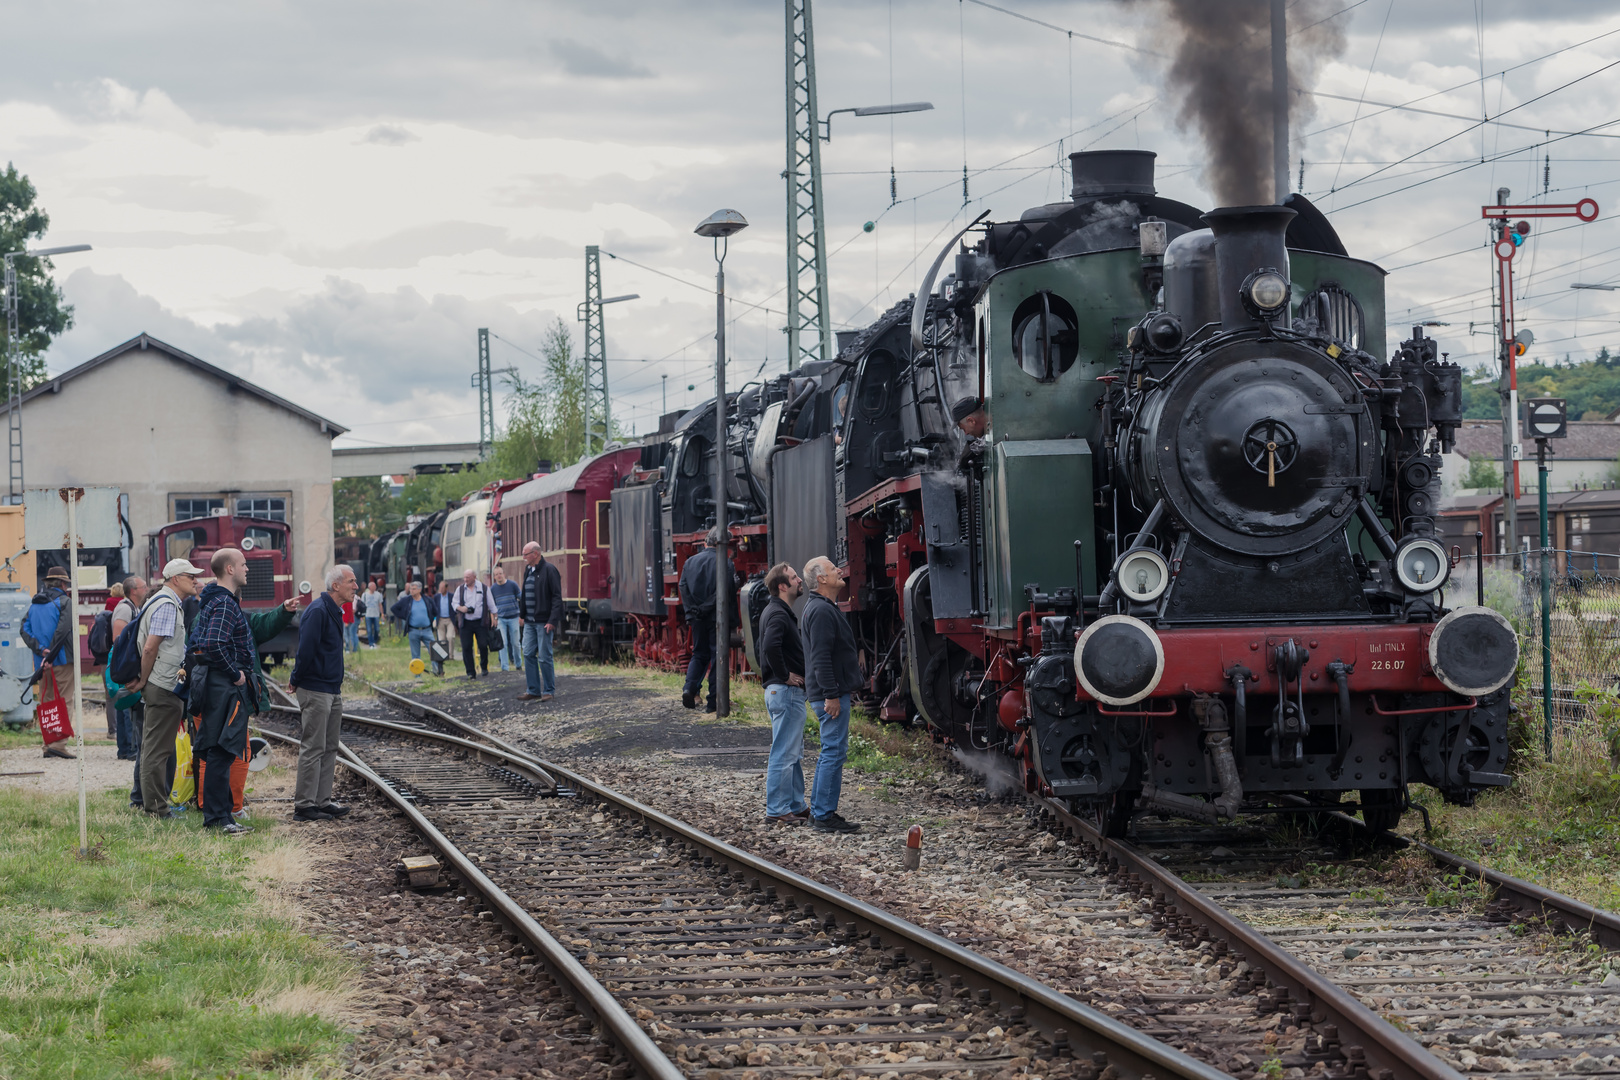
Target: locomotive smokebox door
{"type": "Point", "coordinates": [1546, 418]}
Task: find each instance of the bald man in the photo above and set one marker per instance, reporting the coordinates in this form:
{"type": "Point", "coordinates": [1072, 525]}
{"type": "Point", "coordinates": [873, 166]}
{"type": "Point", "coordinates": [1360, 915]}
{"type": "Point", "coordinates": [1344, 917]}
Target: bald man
{"type": "Point", "coordinates": [540, 614]}
{"type": "Point", "coordinates": [832, 673]}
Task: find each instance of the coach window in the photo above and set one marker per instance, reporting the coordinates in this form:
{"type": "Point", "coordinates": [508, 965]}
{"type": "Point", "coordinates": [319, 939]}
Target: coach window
{"type": "Point", "coordinates": [604, 522]}
{"type": "Point", "coordinates": [472, 525]}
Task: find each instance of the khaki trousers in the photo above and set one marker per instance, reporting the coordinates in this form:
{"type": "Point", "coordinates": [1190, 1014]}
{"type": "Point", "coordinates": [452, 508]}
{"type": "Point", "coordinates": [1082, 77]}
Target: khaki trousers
{"type": "Point", "coordinates": [321, 729]}
{"type": "Point", "coordinates": [163, 715]}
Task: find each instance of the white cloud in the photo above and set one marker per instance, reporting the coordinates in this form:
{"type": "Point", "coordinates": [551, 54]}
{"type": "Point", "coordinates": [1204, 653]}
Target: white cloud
{"type": "Point", "coordinates": [332, 204]}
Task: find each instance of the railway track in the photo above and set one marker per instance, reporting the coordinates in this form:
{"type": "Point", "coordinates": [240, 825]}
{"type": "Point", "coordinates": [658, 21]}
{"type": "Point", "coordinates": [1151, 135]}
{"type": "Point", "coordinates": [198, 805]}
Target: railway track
{"type": "Point", "coordinates": [694, 958]}
{"type": "Point", "coordinates": [1490, 979]}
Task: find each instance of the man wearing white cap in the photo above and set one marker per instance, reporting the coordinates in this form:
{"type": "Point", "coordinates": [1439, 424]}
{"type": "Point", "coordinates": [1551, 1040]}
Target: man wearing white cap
{"type": "Point", "coordinates": [162, 638]}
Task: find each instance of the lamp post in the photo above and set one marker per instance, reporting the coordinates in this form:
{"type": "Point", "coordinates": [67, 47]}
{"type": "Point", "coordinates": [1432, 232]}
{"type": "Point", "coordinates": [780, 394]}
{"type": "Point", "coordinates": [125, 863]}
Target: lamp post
{"type": "Point", "coordinates": [874, 110]}
{"type": "Point", "coordinates": [14, 358]}
{"type": "Point", "coordinates": [718, 226]}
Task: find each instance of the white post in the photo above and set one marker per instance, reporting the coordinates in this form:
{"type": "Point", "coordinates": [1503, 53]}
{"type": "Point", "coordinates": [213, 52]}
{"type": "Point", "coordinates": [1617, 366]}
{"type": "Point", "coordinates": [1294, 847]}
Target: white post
{"type": "Point", "coordinates": [74, 712]}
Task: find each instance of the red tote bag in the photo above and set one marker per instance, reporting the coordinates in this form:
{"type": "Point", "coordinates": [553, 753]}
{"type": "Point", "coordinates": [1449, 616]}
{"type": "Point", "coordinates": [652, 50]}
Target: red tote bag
{"type": "Point", "coordinates": [55, 723]}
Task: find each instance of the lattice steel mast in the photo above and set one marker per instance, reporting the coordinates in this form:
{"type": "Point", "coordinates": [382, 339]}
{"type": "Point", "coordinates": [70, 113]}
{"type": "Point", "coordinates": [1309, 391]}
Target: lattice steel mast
{"type": "Point", "coordinates": [484, 380]}
{"type": "Point", "coordinates": [598, 406]}
{"type": "Point", "coordinates": [809, 320]}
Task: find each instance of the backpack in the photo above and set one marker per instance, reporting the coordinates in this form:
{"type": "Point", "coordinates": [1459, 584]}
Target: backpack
{"type": "Point", "coordinates": [124, 660]}
{"type": "Point", "coordinates": [101, 637]}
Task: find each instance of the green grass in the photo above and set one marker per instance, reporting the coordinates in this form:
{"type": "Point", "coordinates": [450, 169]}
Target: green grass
{"type": "Point", "coordinates": [170, 953]}
{"type": "Point", "coordinates": [1558, 825]}
{"type": "Point", "coordinates": [389, 663]}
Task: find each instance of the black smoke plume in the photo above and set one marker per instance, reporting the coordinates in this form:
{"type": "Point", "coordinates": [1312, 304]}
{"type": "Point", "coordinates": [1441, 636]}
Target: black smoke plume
{"type": "Point", "coordinates": [1218, 71]}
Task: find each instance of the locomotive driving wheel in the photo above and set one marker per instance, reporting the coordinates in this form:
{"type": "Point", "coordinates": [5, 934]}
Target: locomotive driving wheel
{"type": "Point", "coordinates": [1381, 808]}
{"type": "Point", "coordinates": [1111, 814]}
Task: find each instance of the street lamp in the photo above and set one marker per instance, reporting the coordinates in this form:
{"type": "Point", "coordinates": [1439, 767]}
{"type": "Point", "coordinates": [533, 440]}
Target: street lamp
{"type": "Point", "coordinates": [14, 355]}
{"type": "Point", "coordinates": [874, 110]}
{"type": "Point", "coordinates": [719, 226]}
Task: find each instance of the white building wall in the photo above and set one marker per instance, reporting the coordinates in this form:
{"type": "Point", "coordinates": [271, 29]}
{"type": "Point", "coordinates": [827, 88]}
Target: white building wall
{"type": "Point", "coordinates": [155, 427]}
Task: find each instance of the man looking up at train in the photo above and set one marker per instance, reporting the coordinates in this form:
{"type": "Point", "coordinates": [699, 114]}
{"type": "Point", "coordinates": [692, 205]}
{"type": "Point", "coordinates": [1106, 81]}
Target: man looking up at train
{"type": "Point", "coordinates": [781, 672]}
{"type": "Point", "coordinates": [540, 613]}
{"type": "Point", "coordinates": [698, 600]}
{"type": "Point", "coordinates": [317, 679]}
{"type": "Point", "coordinates": [473, 614]}
{"type": "Point", "coordinates": [831, 674]}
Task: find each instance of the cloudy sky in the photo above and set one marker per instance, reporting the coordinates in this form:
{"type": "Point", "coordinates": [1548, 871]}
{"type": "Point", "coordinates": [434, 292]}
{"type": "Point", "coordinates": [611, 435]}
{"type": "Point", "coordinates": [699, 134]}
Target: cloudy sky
{"type": "Point", "coordinates": [330, 198]}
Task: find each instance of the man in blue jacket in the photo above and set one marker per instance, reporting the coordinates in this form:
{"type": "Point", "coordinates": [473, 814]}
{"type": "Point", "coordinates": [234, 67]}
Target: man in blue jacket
{"type": "Point", "coordinates": [832, 672]}
{"type": "Point", "coordinates": [317, 679]}
{"type": "Point", "coordinates": [45, 631]}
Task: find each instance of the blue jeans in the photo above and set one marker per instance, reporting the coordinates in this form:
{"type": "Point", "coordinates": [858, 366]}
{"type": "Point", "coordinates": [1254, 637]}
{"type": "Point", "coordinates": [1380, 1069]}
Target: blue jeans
{"type": "Point", "coordinates": [784, 776]}
{"type": "Point", "coordinates": [511, 641]}
{"type": "Point", "coordinates": [420, 638]}
{"type": "Point", "coordinates": [538, 671]}
{"type": "Point", "coordinates": [351, 636]}
{"type": "Point", "coordinates": [372, 632]}
{"type": "Point", "coordinates": [129, 736]}
{"type": "Point", "coordinates": [830, 763]}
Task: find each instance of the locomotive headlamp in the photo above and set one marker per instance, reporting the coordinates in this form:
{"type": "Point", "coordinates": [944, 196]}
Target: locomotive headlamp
{"type": "Point", "coordinates": [1474, 651]}
{"type": "Point", "coordinates": [1120, 660]}
{"type": "Point", "coordinates": [1421, 565]}
{"type": "Point", "coordinates": [1265, 293]}
{"type": "Point", "coordinates": [1143, 575]}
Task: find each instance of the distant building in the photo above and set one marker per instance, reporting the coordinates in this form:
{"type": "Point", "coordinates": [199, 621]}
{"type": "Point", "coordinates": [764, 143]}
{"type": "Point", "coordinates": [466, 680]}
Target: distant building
{"type": "Point", "coordinates": [184, 439]}
{"type": "Point", "coordinates": [1584, 460]}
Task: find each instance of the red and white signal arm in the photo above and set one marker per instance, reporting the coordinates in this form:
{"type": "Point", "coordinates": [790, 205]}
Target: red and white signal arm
{"type": "Point", "coordinates": [1546, 418]}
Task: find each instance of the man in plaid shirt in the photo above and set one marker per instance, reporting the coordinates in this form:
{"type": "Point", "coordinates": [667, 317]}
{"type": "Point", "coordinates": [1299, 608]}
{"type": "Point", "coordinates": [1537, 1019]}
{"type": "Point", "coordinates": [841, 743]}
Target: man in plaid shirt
{"type": "Point", "coordinates": [225, 690]}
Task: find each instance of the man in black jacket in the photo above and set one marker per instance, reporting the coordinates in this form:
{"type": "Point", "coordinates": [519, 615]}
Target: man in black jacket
{"type": "Point", "coordinates": [781, 672]}
{"type": "Point", "coordinates": [317, 679]}
{"type": "Point", "coordinates": [698, 601]}
{"type": "Point", "coordinates": [540, 614]}
{"type": "Point", "coordinates": [832, 672]}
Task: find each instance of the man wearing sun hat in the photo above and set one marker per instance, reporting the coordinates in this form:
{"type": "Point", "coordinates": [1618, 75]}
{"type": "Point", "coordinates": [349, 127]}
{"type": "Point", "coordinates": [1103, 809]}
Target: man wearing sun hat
{"type": "Point", "coordinates": [162, 639]}
{"type": "Point", "coordinates": [46, 630]}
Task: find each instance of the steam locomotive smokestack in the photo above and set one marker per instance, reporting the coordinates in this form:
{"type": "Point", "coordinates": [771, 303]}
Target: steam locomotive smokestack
{"type": "Point", "coordinates": [1232, 86]}
{"type": "Point", "coordinates": [1112, 172]}
{"type": "Point", "coordinates": [1247, 238]}
{"type": "Point", "coordinates": [1279, 99]}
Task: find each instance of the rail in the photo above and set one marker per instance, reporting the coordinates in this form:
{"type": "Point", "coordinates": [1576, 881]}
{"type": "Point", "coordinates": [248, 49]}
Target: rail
{"type": "Point", "coordinates": [1388, 1052]}
{"type": "Point", "coordinates": [1060, 1018]}
{"type": "Point", "coordinates": [589, 994]}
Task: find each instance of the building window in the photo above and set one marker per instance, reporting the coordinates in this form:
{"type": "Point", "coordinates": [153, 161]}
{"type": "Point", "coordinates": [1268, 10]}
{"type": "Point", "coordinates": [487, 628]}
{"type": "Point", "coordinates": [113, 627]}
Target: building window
{"type": "Point", "coordinates": [189, 508]}
{"type": "Point", "coordinates": [270, 507]}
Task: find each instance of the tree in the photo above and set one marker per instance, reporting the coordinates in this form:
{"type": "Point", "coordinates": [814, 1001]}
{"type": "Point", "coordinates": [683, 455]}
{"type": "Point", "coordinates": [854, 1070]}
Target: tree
{"type": "Point", "coordinates": [364, 506]}
{"type": "Point", "coordinates": [41, 313]}
{"type": "Point", "coordinates": [545, 420]}
{"type": "Point", "coordinates": [1482, 473]}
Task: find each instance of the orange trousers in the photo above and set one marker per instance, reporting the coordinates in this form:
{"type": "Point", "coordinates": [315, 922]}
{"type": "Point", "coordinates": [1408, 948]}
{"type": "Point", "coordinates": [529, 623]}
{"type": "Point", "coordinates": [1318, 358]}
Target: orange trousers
{"type": "Point", "coordinates": [239, 775]}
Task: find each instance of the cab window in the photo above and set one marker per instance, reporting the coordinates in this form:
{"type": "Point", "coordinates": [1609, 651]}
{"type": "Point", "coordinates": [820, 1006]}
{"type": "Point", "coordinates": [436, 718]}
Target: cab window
{"type": "Point", "coordinates": [182, 542]}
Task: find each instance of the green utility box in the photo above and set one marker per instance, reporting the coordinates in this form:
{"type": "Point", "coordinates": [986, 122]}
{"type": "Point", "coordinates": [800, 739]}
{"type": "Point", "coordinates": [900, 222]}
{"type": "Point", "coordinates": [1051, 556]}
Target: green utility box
{"type": "Point", "coordinates": [1039, 496]}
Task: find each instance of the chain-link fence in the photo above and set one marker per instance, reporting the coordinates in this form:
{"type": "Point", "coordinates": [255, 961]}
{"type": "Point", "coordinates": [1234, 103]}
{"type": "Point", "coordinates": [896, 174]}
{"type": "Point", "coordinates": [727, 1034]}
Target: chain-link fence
{"type": "Point", "coordinates": [1585, 631]}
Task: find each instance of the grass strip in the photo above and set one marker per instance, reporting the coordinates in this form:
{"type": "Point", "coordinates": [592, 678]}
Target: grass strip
{"type": "Point", "coordinates": [171, 952]}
